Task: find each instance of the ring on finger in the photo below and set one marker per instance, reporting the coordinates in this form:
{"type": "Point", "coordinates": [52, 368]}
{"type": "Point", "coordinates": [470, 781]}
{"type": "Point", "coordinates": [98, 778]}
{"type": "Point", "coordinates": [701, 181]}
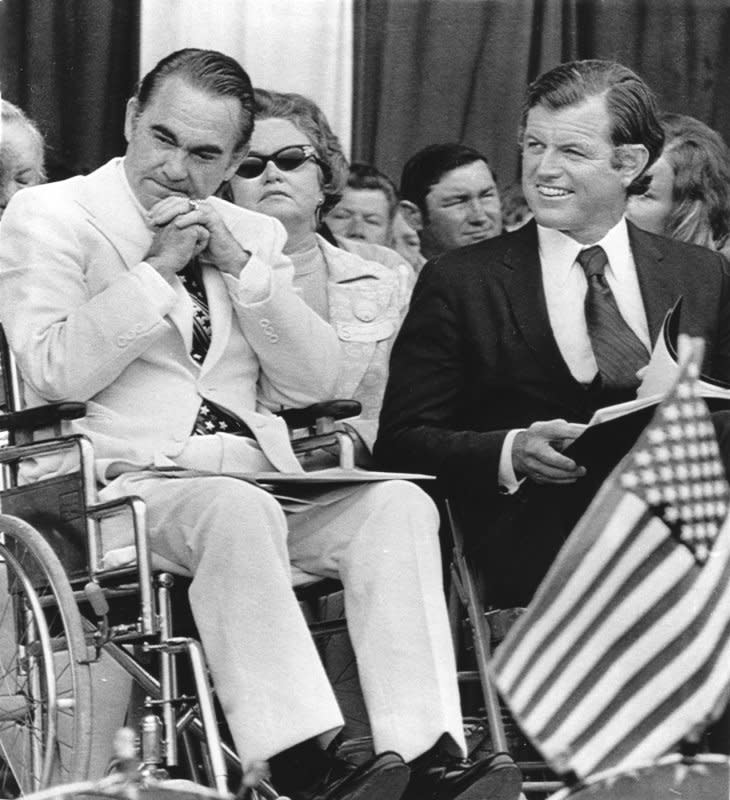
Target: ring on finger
{"type": "Point", "coordinates": [194, 204]}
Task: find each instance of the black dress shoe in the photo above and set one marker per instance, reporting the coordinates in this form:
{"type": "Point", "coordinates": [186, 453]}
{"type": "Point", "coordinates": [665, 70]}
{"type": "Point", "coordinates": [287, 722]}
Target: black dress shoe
{"type": "Point", "coordinates": [383, 777]}
{"type": "Point", "coordinates": [434, 777]}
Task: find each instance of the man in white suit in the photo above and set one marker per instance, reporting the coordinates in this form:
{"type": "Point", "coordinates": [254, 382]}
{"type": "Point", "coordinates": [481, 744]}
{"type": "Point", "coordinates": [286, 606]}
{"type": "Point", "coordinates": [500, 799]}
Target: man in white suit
{"type": "Point", "coordinates": [172, 314]}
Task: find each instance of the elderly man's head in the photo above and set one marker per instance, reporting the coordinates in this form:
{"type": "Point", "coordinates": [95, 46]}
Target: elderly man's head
{"type": "Point", "coordinates": [21, 153]}
{"type": "Point", "coordinates": [589, 131]}
{"type": "Point", "coordinates": [449, 195]}
{"type": "Point", "coordinates": [187, 126]}
{"type": "Point", "coordinates": [367, 208]}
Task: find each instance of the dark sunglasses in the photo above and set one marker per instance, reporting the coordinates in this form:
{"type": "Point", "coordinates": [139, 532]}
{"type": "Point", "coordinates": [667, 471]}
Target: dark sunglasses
{"type": "Point", "coordinates": [286, 159]}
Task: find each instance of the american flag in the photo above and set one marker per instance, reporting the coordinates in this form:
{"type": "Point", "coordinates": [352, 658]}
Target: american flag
{"type": "Point", "coordinates": [625, 649]}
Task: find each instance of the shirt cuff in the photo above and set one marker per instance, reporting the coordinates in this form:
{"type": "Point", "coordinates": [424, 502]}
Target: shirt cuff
{"type": "Point", "coordinates": [254, 283]}
{"type": "Point", "coordinates": [155, 287]}
{"type": "Point", "coordinates": [508, 481]}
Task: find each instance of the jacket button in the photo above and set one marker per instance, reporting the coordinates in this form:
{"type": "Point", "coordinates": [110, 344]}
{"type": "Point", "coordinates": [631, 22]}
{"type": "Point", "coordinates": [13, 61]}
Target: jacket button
{"type": "Point", "coordinates": [365, 310]}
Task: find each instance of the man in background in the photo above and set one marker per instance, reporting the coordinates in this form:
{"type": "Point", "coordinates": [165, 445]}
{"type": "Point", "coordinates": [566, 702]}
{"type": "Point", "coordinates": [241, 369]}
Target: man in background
{"type": "Point", "coordinates": [364, 222]}
{"type": "Point", "coordinates": [450, 197]}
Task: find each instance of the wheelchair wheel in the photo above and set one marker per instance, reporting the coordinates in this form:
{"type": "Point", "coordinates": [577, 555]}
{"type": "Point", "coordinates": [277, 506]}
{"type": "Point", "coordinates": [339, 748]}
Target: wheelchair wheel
{"type": "Point", "coordinates": [45, 686]}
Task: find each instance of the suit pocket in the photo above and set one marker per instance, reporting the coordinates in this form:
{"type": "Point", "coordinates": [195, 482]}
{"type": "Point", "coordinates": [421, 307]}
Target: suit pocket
{"type": "Point", "coordinates": [374, 331]}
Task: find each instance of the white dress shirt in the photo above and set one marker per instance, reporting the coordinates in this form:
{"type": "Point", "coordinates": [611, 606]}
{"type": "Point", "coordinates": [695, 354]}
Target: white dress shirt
{"type": "Point", "coordinates": [565, 286]}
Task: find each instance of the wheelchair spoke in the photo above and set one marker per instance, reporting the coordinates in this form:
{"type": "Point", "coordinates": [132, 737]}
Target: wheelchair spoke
{"type": "Point", "coordinates": [45, 693]}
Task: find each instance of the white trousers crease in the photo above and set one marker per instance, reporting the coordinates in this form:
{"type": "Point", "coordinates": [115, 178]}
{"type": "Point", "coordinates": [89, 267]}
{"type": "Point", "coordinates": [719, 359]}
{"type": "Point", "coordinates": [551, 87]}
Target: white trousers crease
{"type": "Point", "coordinates": [380, 541]}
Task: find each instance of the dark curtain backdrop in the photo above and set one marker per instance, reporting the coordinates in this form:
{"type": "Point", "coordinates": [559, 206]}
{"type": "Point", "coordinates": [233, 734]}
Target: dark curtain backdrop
{"type": "Point", "coordinates": [71, 65]}
{"type": "Point", "coordinates": [445, 70]}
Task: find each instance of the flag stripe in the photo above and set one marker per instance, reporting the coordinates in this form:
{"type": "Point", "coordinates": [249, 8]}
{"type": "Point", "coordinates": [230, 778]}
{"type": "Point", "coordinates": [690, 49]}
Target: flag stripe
{"type": "Point", "coordinates": [712, 694]}
{"type": "Point", "coordinates": [648, 699]}
{"type": "Point", "coordinates": [661, 721]}
{"type": "Point", "coordinates": [617, 698]}
{"type": "Point", "coordinates": [619, 644]}
{"type": "Point", "coordinates": [516, 653]}
{"type": "Point", "coordinates": [586, 646]}
{"type": "Point", "coordinates": [656, 633]}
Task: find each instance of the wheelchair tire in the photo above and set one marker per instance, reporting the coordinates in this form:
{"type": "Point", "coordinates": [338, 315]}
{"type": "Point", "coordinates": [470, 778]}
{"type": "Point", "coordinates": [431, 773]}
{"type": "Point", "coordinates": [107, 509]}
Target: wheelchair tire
{"type": "Point", "coordinates": [45, 680]}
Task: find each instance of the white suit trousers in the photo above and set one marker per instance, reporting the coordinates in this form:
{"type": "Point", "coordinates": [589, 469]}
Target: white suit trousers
{"type": "Point", "coordinates": [381, 541]}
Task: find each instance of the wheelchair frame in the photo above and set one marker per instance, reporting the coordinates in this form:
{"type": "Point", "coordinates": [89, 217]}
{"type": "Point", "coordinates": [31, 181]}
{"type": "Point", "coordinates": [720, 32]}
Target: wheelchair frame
{"type": "Point", "coordinates": [66, 574]}
{"type": "Point", "coordinates": [50, 584]}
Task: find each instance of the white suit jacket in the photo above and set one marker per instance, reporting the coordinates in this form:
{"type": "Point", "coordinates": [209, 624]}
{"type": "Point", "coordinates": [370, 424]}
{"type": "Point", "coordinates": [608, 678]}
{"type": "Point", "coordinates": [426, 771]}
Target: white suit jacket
{"type": "Point", "coordinates": [89, 320]}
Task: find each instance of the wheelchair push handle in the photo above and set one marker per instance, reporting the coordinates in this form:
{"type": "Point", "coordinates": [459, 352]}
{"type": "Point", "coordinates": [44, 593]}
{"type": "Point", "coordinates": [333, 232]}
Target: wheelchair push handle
{"type": "Point", "coordinates": [308, 417]}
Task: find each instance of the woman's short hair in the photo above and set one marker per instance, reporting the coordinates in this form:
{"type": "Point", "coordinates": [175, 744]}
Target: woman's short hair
{"type": "Point", "coordinates": [306, 115]}
{"type": "Point", "coordinates": [700, 160]}
{"type": "Point", "coordinates": [12, 115]}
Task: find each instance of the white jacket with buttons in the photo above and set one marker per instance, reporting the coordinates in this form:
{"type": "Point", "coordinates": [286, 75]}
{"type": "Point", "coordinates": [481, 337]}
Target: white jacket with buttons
{"type": "Point", "coordinates": [89, 320]}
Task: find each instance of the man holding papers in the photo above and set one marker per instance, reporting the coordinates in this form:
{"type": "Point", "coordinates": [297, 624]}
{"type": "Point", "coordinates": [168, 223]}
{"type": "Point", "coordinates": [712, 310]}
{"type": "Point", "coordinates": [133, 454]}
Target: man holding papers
{"type": "Point", "coordinates": [511, 345]}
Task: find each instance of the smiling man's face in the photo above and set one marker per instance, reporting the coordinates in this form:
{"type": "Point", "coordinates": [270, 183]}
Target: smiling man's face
{"type": "Point", "coordinates": [571, 176]}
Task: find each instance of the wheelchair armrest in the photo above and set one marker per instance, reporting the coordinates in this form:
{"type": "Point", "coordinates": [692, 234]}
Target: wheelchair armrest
{"type": "Point", "coordinates": [309, 416]}
{"type": "Point", "coordinates": [41, 416]}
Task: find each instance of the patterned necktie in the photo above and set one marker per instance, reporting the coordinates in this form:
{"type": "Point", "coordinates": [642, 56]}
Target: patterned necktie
{"type": "Point", "coordinates": [211, 418]}
{"type": "Point", "coordinates": [619, 352]}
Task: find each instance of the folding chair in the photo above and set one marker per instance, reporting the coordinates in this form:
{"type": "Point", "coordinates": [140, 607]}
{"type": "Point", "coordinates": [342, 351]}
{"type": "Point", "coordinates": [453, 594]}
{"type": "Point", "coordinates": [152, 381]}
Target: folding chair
{"type": "Point", "coordinates": [484, 627]}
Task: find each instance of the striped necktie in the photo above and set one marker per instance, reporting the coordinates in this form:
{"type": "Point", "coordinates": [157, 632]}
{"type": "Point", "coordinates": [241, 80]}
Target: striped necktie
{"type": "Point", "coordinates": [618, 350]}
{"type": "Point", "coordinates": [211, 418]}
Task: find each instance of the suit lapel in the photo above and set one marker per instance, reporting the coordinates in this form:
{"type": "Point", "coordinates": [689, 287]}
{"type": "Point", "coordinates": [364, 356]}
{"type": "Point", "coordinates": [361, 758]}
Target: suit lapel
{"type": "Point", "coordinates": [113, 213]}
{"type": "Point", "coordinates": [522, 275]}
{"type": "Point", "coordinates": [659, 287]}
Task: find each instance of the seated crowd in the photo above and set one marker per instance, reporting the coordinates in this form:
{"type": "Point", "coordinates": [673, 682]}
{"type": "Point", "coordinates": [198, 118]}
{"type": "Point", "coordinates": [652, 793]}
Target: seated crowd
{"type": "Point", "coordinates": [232, 264]}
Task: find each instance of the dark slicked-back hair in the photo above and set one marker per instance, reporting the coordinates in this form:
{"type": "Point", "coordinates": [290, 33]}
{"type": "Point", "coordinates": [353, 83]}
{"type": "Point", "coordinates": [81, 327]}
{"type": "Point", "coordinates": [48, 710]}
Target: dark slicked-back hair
{"type": "Point", "coordinates": [631, 105]}
{"type": "Point", "coordinates": [366, 176]}
{"type": "Point", "coordinates": [306, 115]}
{"type": "Point", "coordinates": [425, 169]}
{"type": "Point", "coordinates": [209, 71]}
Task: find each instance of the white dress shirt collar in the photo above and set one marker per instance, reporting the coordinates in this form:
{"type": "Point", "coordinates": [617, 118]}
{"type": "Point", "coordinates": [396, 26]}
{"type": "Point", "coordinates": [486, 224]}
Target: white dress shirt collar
{"type": "Point", "coordinates": [560, 251]}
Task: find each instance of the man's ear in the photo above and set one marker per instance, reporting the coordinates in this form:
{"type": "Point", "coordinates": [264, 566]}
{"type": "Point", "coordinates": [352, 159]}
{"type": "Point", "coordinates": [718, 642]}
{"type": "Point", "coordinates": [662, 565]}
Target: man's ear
{"type": "Point", "coordinates": [130, 117]}
{"type": "Point", "coordinates": [632, 160]}
{"type": "Point", "coordinates": [412, 214]}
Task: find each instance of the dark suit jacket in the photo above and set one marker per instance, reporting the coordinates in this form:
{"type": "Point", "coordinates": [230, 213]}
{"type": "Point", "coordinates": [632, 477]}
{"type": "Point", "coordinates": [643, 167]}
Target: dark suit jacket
{"type": "Point", "coordinates": [476, 356]}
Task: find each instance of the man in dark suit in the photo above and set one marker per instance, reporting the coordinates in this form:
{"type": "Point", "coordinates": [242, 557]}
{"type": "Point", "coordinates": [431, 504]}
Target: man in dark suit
{"type": "Point", "coordinates": [511, 344]}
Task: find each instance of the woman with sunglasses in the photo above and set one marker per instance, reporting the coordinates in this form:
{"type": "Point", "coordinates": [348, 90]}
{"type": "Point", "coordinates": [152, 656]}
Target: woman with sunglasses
{"type": "Point", "coordinates": [295, 171]}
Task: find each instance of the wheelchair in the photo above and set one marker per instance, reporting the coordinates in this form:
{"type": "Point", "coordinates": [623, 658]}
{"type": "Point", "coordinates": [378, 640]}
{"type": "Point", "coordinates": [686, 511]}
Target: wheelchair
{"type": "Point", "coordinates": [66, 604]}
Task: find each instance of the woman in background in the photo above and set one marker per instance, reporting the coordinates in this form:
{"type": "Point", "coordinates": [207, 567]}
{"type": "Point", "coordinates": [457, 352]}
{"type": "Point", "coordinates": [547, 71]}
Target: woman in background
{"type": "Point", "coordinates": [21, 153]}
{"type": "Point", "coordinates": [689, 194]}
{"type": "Point", "coordinates": [295, 171]}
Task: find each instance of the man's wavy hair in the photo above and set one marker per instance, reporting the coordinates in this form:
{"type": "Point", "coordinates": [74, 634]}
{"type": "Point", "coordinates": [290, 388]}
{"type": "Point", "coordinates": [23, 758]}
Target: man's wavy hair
{"type": "Point", "coordinates": [700, 160]}
{"type": "Point", "coordinates": [309, 118]}
{"type": "Point", "coordinates": [209, 71]}
{"type": "Point", "coordinates": [632, 107]}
